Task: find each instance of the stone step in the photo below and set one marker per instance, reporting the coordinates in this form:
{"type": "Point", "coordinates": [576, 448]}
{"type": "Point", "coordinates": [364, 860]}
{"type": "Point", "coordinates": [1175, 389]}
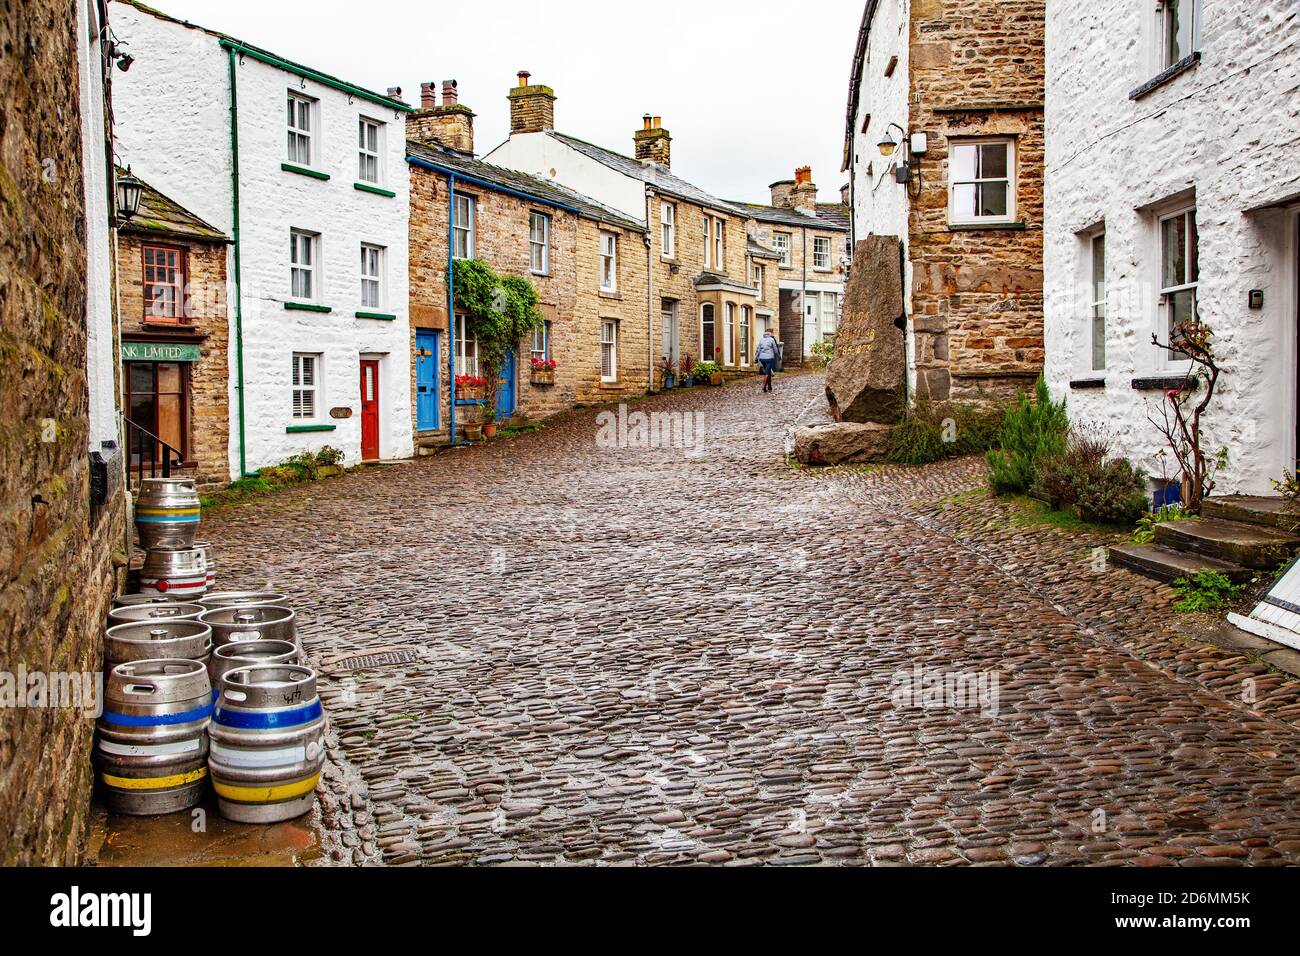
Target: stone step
{"type": "Point", "coordinates": [1272, 512]}
{"type": "Point", "coordinates": [1166, 564]}
{"type": "Point", "coordinates": [1249, 545]}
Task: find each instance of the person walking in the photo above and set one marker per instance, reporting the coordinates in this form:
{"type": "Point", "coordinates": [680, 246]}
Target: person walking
{"type": "Point", "coordinates": [766, 355]}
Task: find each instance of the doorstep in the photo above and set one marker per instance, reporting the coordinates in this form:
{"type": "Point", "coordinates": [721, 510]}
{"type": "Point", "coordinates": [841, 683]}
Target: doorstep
{"type": "Point", "coordinates": [1277, 655]}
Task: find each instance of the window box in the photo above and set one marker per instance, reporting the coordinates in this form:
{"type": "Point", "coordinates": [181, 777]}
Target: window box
{"type": "Point", "coordinates": [304, 171]}
{"type": "Point", "coordinates": [542, 376]}
{"type": "Point", "coordinates": [307, 307]}
{"type": "Point", "coordinates": [377, 190]}
{"type": "Point", "coordinates": [304, 429]}
{"type": "Point", "coordinates": [381, 316]}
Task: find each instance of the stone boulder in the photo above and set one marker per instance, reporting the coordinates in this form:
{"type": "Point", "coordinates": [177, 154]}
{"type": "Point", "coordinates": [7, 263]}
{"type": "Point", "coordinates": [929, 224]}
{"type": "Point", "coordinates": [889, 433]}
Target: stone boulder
{"type": "Point", "coordinates": [841, 443]}
{"type": "Point", "coordinates": [866, 380]}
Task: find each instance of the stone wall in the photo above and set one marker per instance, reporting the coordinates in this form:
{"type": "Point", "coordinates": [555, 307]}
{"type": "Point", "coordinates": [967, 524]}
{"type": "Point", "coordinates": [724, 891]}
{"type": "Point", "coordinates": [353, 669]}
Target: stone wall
{"type": "Point", "coordinates": [59, 556]}
{"type": "Point", "coordinates": [977, 69]}
{"type": "Point", "coordinates": [207, 326]}
{"type": "Point", "coordinates": [627, 306]}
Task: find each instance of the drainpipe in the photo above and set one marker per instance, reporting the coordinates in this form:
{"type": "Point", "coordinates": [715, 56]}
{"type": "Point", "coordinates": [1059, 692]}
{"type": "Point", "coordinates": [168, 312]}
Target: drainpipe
{"type": "Point", "coordinates": [803, 297]}
{"type": "Point", "coordinates": [239, 296]}
{"type": "Point", "coordinates": [649, 290]}
{"type": "Point", "coordinates": [451, 303]}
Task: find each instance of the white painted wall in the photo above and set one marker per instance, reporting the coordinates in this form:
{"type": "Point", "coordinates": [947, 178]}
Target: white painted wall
{"type": "Point", "coordinates": [547, 157]}
{"type": "Point", "coordinates": [100, 210]}
{"type": "Point", "coordinates": [1227, 132]}
{"type": "Point", "coordinates": [173, 119]}
{"type": "Point", "coordinates": [880, 204]}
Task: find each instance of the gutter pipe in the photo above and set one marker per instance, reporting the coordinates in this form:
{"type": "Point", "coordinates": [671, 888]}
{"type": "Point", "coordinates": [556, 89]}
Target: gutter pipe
{"type": "Point", "coordinates": [239, 297]}
{"type": "Point", "coordinates": [649, 292]}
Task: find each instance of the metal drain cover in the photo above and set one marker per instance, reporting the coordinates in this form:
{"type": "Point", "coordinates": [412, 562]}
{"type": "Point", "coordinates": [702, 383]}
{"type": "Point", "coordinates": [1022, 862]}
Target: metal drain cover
{"type": "Point", "coordinates": [374, 661]}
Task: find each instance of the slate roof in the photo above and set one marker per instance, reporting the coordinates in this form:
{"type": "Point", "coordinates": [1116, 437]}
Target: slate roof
{"type": "Point", "coordinates": [831, 216]}
{"type": "Point", "coordinates": [760, 251]}
{"type": "Point", "coordinates": [540, 189]}
{"type": "Point", "coordinates": [165, 216]}
{"type": "Point", "coordinates": [651, 173]}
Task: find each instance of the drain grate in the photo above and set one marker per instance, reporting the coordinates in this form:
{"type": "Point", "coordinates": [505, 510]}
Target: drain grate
{"type": "Point", "coordinates": [373, 661]}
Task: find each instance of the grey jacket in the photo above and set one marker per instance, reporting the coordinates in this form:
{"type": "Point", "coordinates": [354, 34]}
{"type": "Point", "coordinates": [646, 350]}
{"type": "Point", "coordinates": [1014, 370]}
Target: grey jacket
{"type": "Point", "coordinates": [768, 349]}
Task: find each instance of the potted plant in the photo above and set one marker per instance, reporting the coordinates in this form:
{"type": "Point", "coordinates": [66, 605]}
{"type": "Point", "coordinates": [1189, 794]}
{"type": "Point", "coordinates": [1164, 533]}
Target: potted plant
{"type": "Point", "coordinates": [473, 431]}
{"type": "Point", "coordinates": [685, 371]}
{"type": "Point", "coordinates": [469, 388]}
{"type": "Point", "coordinates": [710, 372]}
{"type": "Point", "coordinates": [489, 420]}
{"type": "Point", "coordinates": [667, 374]}
{"type": "Point", "coordinates": [543, 371]}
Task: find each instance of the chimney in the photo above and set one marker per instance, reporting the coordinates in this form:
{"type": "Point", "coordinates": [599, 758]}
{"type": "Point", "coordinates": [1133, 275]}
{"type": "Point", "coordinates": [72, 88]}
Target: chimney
{"type": "Point", "coordinates": [394, 92]}
{"type": "Point", "coordinates": [846, 193]}
{"type": "Point", "coordinates": [450, 125]}
{"type": "Point", "coordinates": [782, 190]}
{"type": "Point", "coordinates": [532, 108]}
{"type": "Point", "coordinates": [804, 197]}
{"type": "Point", "coordinates": [653, 144]}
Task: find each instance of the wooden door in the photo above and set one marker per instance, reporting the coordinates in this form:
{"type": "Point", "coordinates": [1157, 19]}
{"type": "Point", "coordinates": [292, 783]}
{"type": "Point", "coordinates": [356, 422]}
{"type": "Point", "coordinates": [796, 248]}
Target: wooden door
{"type": "Point", "coordinates": [369, 410]}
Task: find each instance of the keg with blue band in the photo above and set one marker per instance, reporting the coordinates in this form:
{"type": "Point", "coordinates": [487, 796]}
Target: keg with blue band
{"type": "Point", "coordinates": [269, 720]}
{"type": "Point", "coordinates": [157, 720]}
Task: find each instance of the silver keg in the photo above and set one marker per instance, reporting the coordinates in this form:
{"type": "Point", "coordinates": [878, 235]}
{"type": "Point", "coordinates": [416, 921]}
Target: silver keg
{"type": "Point", "coordinates": [179, 573]}
{"type": "Point", "coordinates": [167, 513]}
{"type": "Point", "coordinates": [166, 611]}
{"type": "Point", "coordinates": [131, 600]}
{"type": "Point", "coordinates": [157, 640]}
{"type": "Point", "coordinates": [209, 561]}
{"type": "Point", "coordinates": [258, 622]}
{"type": "Point", "coordinates": [151, 744]}
{"type": "Point", "coordinates": [240, 598]}
{"type": "Point", "coordinates": [243, 654]}
{"type": "Point", "coordinates": [268, 743]}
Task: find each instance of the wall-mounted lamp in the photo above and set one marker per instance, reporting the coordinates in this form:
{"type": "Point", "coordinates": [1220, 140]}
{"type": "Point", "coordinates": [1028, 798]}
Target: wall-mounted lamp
{"type": "Point", "coordinates": [915, 145]}
{"type": "Point", "coordinates": [129, 190]}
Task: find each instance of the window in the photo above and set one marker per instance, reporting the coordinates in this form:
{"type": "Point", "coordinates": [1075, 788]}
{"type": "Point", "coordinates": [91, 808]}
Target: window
{"type": "Point", "coordinates": [758, 279]}
{"type": "Point", "coordinates": [539, 243]}
{"type": "Point", "coordinates": [781, 242]}
{"type": "Point", "coordinates": [728, 331]}
{"type": "Point", "coordinates": [300, 117]}
{"type": "Point", "coordinates": [980, 176]}
{"type": "Point", "coordinates": [719, 245]}
{"type": "Point", "coordinates": [1097, 297]}
{"type": "Point", "coordinates": [158, 400]}
{"type": "Point", "coordinates": [608, 350]}
{"type": "Point", "coordinates": [306, 385]}
{"type": "Point", "coordinates": [466, 347]}
{"type": "Point", "coordinates": [746, 323]}
{"type": "Point", "coordinates": [708, 241]}
{"type": "Point", "coordinates": [462, 228]}
{"type": "Point", "coordinates": [821, 253]}
{"type": "Point", "coordinates": [368, 151]}
{"type": "Point", "coordinates": [542, 342]}
{"type": "Point", "coordinates": [1178, 23]}
{"type": "Point", "coordinates": [708, 350]}
{"type": "Point", "coordinates": [608, 262]}
{"type": "Point", "coordinates": [372, 276]}
{"type": "Point", "coordinates": [668, 219]}
{"type": "Point", "coordinates": [164, 283]}
{"type": "Point", "coordinates": [302, 264]}
{"type": "Point", "coordinates": [830, 305]}
{"type": "Point", "coordinates": [1179, 271]}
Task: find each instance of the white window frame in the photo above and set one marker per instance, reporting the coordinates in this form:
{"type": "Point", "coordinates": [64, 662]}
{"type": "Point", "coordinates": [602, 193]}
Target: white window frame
{"type": "Point", "coordinates": [1097, 300]}
{"type": "Point", "coordinates": [609, 350]}
{"type": "Point", "coordinates": [373, 269]}
{"type": "Point", "coordinates": [366, 154]}
{"type": "Point", "coordinates": [466, 347]}
{"type": "Point", "coordinates": [539, 250]}
{"type": "Point", "coordinates": [746, 334]}
{"type": "Point", "coordinates": [830, 313]}
{"type": "Point", "coordinates": [781, 241]}
{"type": "Point", "coordinates": [821, 253]}
{"type": "Point", "coordinates": [708, 241]}
{"type": "Point", "coordinates": [1010, 179]}
{"type": "Point", "coordinates": [760, 275]}
{"type": "Point", "coordinates": [462, 233]}
{"type": "Point", "coordinates": [300, 138]}
{"type": "Point", "coordinates": [729, 329]}
{"type": "Point", "coordinates": [719, 244]}
{"type": "Point", "coordinates": [1167, 35]}
{"type": "Point", "coordinates": [300, 391]}
{"type": "Point", "coordinates": [1191, 255]}
{"type": "Point", "coordinates": [668, 222]}
{"type": "Point", "coordinates": [608, 262]}
{"type": "Point", "coordinates": [543, 330]}
{"type": "Point", "coordinates": [300, 240]}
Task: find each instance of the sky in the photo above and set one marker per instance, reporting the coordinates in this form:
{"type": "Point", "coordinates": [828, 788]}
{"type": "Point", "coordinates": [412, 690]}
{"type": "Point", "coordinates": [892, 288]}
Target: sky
{"type": "Point", "coordinates": [749, 89]}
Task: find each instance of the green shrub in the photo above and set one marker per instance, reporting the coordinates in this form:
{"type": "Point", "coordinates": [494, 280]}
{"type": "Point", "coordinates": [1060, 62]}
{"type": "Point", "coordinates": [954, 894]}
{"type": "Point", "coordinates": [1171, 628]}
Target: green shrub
{"type": "Point", "coordinates": [304, 466]}
{"type": "Point", "coordinates": [1117, 494]}
{"type": "Point", "coordinates": [1030, 431]}
{"type": "Point", "coordinates": [933, 431]}
{"type": "Point", "coordinates": [1146, 530]}
{"type": "Point", "coordinates": [329, 456]}
{"type": "Point", "coordinates": [705, 369]}
{"type": "Point", "coordinates": [823, 352]}
{"type": "Point", "coordinates": [1205, 591]}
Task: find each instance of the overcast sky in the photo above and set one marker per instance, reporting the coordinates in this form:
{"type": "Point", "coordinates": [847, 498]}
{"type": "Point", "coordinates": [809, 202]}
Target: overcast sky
{"type": "Point", "coordinates": [749, 89]}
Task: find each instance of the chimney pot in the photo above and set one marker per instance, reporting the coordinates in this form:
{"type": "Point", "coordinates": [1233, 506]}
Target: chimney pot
{"type": "Point", "coordinates": [394, 92]}
{"type": "Point", "coordinates": [803, 175]}
{"type": "Point", "coordinates": [523, 77]}
{"type": "Point", "coordinates": [428, 96]}
{"type": "Point", "coordinates": [450, 97]}
{"type": "Point", "coordinates": [659, 122]}
{"type": "Point", "coordinates": [645, 121]}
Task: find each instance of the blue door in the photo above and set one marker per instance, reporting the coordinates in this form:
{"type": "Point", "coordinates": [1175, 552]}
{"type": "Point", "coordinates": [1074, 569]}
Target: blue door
{"type": "Point", "coordinates": [506, 388]}
{"type": "Point", "coordinates": [426, 380]}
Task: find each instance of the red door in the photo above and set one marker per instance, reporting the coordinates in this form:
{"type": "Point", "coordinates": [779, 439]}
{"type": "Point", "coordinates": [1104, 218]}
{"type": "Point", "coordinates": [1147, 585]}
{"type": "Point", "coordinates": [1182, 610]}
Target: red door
{"type": "Point", "coordinates": [369, 410]}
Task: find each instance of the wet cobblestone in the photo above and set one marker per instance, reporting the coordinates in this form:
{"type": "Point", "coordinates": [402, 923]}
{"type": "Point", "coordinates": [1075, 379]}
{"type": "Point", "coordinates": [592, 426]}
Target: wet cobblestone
{"type": "Point", "coordinates": [693, 656]}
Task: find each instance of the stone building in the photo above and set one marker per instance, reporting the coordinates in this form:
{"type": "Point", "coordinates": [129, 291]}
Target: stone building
{"type": "Point", "coordinates": [310, 182]}
{"type": "Point", "coordinates": [518, 225]}
{"type": "Point", "coordinates": [684, 288]}
{"type": "Point", "coordinates": [944, 146]}
{"type": "Point", "coordinates": [809, 243]}
{"type": "Point", "coordinates": [62, 509]}
{"type": "Point", "coordinates": [1173, 193]}
{"type": "Point", "coordinates": [171, 268]}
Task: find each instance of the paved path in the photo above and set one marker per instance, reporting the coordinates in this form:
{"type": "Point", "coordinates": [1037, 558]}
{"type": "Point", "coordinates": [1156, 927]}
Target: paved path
{"type": "Point", "coordinates": [672, 656]}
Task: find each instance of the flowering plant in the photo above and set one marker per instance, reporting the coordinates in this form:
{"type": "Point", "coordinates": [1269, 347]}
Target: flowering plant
{"type": "Point", "coordinates": [543, 365]}
{"type": "Point", "coordinates": [471, 381]}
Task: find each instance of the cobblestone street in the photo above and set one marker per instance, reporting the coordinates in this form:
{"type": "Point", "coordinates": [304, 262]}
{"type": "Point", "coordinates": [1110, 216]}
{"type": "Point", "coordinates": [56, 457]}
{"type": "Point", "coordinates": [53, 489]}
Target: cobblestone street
{"type": "Point", "coordinates": [679, 656]}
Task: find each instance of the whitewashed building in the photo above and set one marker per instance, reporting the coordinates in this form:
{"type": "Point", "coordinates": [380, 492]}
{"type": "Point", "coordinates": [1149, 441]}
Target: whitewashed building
{"type": "Point", "coordinates": [308, 174]}
{"type": "Point", "coordinates": [1173, 189]}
